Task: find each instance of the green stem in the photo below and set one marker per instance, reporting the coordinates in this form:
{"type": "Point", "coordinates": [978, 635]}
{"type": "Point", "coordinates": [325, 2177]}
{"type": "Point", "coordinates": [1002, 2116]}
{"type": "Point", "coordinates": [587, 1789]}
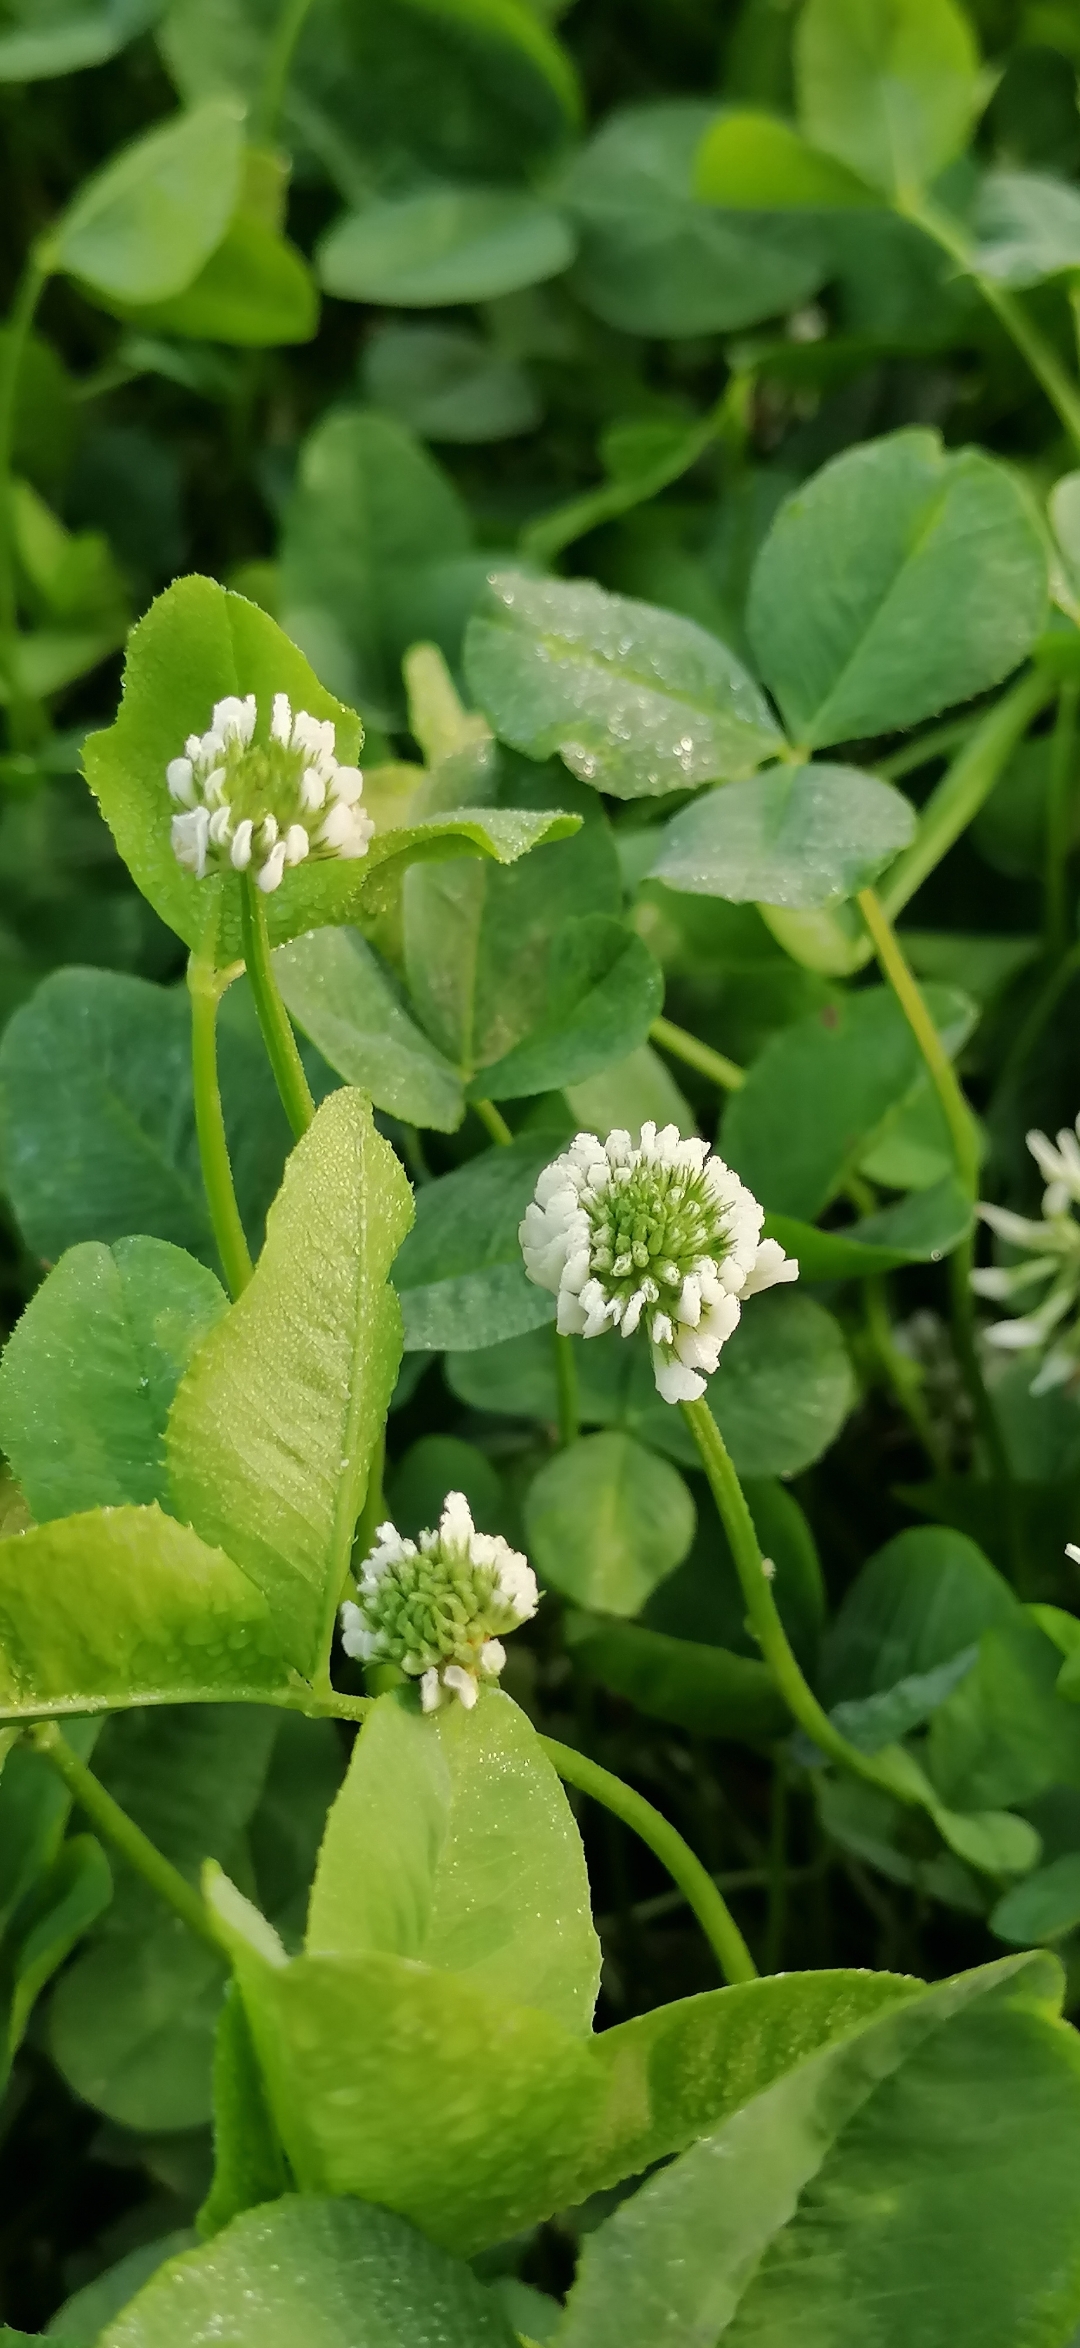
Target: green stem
{"type": "Point", "coordinates": [684, 1868]}
{"type": "Point", "coordinates": [935, 743]}
{"type": "Point", "coordinates": [776, 1919]}
{"type": "Point", "coordinates": [959, 795]}
{"type": "Point", "coordinates": [493, 1122]}
{"type": "Point", "coordinates": [27, 297]}
{"type": "Point", "coordinates": [206, 985]}
{"type": "Point", "coordinates": [1059, 811]}
{"type": "Point", "coordinates": [122, 1832]}
{"type": "Point", "coordinates": [279, 57]}
{"type": "Point", "coordinates": [727, 422]}
{"type": "Point", "coordinates": [761, 1606]}
{"type": "Point", "coordinates": [567, 1382]}
{"type": "Point", "coordinates": [274, 1020]}
{"type": "Point", "coordinates": [900, 1372]}
{"type": "Point", "coordinates": [965, 1143]}
{"type": "Point", "coordinates": [1031, 343]}
{"type": "Point", "coordinates": [939, 1067]}
{"type": "Point", "coordinates": [697, 1055]}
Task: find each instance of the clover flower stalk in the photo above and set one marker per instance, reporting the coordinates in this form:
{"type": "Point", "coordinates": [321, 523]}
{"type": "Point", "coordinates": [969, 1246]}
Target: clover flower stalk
{"type": "Point", "coordinates": [441, 1607]}
{"type": "Point", "coordinates": [1043, 1287]}
{"type": "Point", "coordinates": [661, 1235]}
{"type": "Point", "coordinates": [262, 799]}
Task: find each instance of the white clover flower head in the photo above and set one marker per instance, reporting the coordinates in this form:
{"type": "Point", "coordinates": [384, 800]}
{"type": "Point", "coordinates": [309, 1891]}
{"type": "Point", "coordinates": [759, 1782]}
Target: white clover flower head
{"type": "Point", "coordinates": [1042, 1288]}
{"type": "Point", "coordinates": [263, 797]}
{"type": "Point", "coordinates": [662, 1235]}
{"type": "Point", "coordinates": [441, 1607]}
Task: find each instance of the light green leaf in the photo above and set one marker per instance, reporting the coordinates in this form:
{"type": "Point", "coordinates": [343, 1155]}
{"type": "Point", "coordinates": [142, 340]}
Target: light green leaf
{"type": "Point", "coordinates": [339, 2037]}
{"type": "Point", "coordinates": [821, 1091]}
{"type": "Point", "coordinates": [901, 579]}
{"type": "Point", "coordinates": [448, 383]}
{"type": "Point", "coordinates": [120, 1607]}
{"type": "Point", "coordinates": [1027, 227]}
{"type": "Point", "coordinates": [273, 1429]}
{"type": "Point", "coordinates": [920, 1229]}
{"type": "Point", "coordinates": [98, 1118]}
{"type": "Point", "coordinates": [604, 990]}
{"type": "Point", "coordinates": [249, 2164]}
{"type": "Point", "coordinates": [255, 290]}
{"type": "Point", "coordinates": [451, 1844]}
{"type": "Point", "coordinates": [79, 2322]}
{"type": "Point", "coordinates": [141, 229]}
{"type": "Point", "coordinates": [88, 1377]}
{"type": "Point", "coordinates": [784, 1387]}
{"type": "Point", "coordinates": [345, 1000]}
{"type": "Point", "coordinates": [653, 261]}
{"type": "Point", "coordinates": [435, 1465]}
{"type": "Point", "coordinates": [460, 1275]}
{"type": "Point", "coordinates": [929, 2153]}
{"type": "Point", "coordinates": [893, 92]}
{"type": "Point", "coordinates": [801, 836]}
{"type": "Point", "coordinates": [330, 2272]}
{"type": "Point", "coordinates": [197, 643]}
{"type": "Point", "coordinates": [84, 33]}
{"type": "Point", "coordinates": [635, 699]}
{"type": "Point", "coordinates": [444, 245]}
{"type": "Point", "coordinates": [753, 161]}
{"type": "Point", "coordinates": [606, 1520]}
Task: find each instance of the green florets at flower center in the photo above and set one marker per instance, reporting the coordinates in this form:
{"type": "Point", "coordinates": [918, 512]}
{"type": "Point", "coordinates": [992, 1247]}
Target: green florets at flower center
{"type": "Point", "coordinates": [262, 781]}
{"type": "Point", "coordinates": [434, 1609]}
{"type": "Point", "coordinates": [658, 1223]}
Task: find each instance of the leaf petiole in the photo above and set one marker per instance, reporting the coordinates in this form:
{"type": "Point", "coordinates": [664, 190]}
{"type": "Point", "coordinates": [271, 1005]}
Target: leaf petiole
{"type": "Point", "coordinates": [121, 1831]}
{"type": "Point", "coordinates": [274, 1020]}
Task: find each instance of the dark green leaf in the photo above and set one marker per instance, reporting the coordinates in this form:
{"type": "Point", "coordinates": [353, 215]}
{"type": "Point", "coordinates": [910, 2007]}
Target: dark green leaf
{"type": "Point", "coordinates": [924, 1598]}
{"type": "Point", "coordinates": [705, 1689]}
{"type": "Point", "coordinates": [653, 261]}
{"type": "Point", "coordinates": [87, 1380]}
{"type": "Point", "coordinates": [1044, 1907]}
{"type": "Point", "coordinates": [459, 1274]}
{"type": "Point", "coordinates": [821, 1091]}
{"type": "Point", "coordinates": [345, 1000]}
{"type": "Point", "coordinates": [902, 579]}
{"type": "Point", "coordinates": [88, 32]}
{"type": "Point", "coordinates": [447, 383]}
{"type": "Point", "coordinates": [784, 1387]}
{"type": "Point", "coordinates": [606, 1520]}
{"type": "Point", "coordinates": [604, 991]}
{"type": "Point", "coordinates": [920, 1229]}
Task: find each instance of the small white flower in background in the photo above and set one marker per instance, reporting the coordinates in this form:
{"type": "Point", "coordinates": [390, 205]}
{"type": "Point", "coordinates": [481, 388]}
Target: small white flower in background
{"type": "Point", "coordinates": [441, 1607]}
{"type": "Point", "coordinates": [264, 805]}
{"type": "Point", "coordinates": [1043, 1289]}
{"type": "Point", "coordinates": [664, 1235]}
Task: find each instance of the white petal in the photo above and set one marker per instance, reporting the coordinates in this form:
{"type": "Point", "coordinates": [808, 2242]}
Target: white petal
{"type": "Point", "coordinates": [296, 844]}
{"type": "Point", "coordinates": [348, 784]}
{"type": "Point", "coordinates": [240, 852]}
{"type": "Point", "coordinates": [674, 1383]}
{"type": "Point", "coordinates": [270, 876]}
{"type": "Point", "coordinates": [771, 1268]}
{"type": "Point", "coordinates": [431, 1691]}
{"type": "Point", "coordinates": [281, 720]}
{"type": "Point", "coordinates": [492, 1657]}
{"type": "Point", "coordinates": [336, 827]}
{"type": "Point", "coordinates": [180, 777]}
{"type": "Point", "coordinates": [461, 1684]}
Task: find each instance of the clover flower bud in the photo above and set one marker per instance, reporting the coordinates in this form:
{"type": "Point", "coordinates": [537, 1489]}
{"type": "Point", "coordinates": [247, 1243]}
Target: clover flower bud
{"type": "Point", "coordinates": [440, 1608]}
{"type": "Point", "coordinates": [1044, 1289]}
{"type": "Point", "coordinates": [663, 1235]}
{"type": "Point", "coordinates": [264, 805]}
